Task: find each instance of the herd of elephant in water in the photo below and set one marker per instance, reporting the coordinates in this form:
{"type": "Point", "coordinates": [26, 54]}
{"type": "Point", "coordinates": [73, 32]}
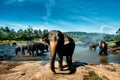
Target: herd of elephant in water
{"type": "Point", "coordinates": [31, 47]}
{"type": "Point", "coordinates": [35, 48]}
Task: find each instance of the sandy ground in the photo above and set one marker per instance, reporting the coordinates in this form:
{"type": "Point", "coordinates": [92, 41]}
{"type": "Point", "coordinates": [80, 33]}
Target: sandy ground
{"type": "Point", "coordinates": [39, 70]}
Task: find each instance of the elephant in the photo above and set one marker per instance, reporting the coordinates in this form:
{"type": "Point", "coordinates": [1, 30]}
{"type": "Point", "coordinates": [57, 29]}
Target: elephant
{"type": "Point", "coordinates": [94, 46]}
{"type": "Point", "coordinates": [14, 44]}
{"type": "Point", "coordinates": [41, 46]}
{"type": "Point", "coordinates": [103, 48]}
{"type": "Point", "coordinates": [36, 47]}
{"type": "Point", "coordinates": [21, 49]}
{"type": "Point", "coordinates": [60, 44]}
{"type": "Point", "coordinates": [32, 47]}
{"type": "Point", "coordinates": [45, 47]}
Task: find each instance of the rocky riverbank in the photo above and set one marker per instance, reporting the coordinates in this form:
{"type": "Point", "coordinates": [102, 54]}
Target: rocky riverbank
{"type": "Point", "coordinates": [39, 70]}
{"type": "Point", "coordinates": [114, 49]}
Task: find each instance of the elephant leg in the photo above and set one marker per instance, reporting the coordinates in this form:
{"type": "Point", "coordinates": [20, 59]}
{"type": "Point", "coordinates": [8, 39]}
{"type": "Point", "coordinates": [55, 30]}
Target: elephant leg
{"type": "Point", "coordinates": [23, 52]}
{"type": "Point", "coordinates": [32, 52]}
{"type": "Point", "coordinates": [16, 52]}
{"type": "Point", "coordinates": [29, 52]}
{"type": "Point", "coordinates": [36, 52]}
{"type": "Point", "coordinates": [69, 61]}
{"type": "Point", "coordinates": [60, 58]}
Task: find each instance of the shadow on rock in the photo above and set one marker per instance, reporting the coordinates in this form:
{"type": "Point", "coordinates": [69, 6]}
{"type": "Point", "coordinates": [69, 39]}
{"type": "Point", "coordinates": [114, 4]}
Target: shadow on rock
{"type": "Point", "coordinates": [71, 70]}
{"type": "Point", "coordinates": [75, 65]}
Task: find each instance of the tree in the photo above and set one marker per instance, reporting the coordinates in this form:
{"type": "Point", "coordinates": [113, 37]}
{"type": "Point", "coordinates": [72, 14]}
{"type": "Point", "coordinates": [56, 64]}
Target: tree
{"type": "Point", "coordinates": [40, 33]}
{"type": "Point", "coordinates": [36, 34]}
{"type": "Point", "coordinates": [118, 32]}
{"type": "Point", "coordinates": [7, 29]}
{"type": "Point", "coordinates": [117, 37]}
{"type": "Point", "coordinates": [45, 31]}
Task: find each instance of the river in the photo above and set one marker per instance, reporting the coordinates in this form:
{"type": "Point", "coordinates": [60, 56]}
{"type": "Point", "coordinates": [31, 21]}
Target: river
{"type": "Point", "coordinates": [82, 54]}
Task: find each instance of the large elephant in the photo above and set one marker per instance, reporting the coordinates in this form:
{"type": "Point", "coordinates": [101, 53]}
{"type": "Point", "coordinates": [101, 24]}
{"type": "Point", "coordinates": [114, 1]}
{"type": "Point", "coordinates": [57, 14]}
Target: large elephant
{"type": "Point", "coordinates": [60, 44]}
{"type": "Point", "coordinates": [103, 48]}
{"type": "Point", "coordinates": [93, 46]}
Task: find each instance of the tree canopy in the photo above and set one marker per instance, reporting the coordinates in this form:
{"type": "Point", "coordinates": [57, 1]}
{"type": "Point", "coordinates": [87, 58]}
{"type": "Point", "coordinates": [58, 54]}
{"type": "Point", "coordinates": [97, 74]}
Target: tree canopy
{"type": "Point", "coordinates": [30, 34]}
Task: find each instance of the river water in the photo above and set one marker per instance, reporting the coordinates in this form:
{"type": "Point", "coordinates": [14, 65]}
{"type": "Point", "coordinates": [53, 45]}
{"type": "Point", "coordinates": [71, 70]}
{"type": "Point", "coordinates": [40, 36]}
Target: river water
{"type": "Point", "coordinates": [80, 54]}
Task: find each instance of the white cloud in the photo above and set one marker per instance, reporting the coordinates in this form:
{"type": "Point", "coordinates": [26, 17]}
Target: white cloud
{"type": "Point", "coordinates": [48, 9]}
{"type": "Point", "coordinates": [107, 29]}
{"type": "Point", "coordinates": [13, 1]}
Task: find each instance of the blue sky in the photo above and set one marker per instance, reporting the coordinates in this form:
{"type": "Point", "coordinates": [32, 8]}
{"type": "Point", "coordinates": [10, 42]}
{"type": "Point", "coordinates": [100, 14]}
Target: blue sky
{"type": "Point", "coordinates": [102, 16]}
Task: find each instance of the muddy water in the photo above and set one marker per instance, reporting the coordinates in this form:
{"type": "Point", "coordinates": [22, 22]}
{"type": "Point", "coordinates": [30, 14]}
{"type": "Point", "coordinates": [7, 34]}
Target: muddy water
{"type": "Point", "coordinates": [80, 54]}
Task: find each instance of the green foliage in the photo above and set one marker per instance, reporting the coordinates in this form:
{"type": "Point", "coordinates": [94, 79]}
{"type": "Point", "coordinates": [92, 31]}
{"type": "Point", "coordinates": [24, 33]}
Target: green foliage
{"type": "Point", "coordinates": [92, 76]}
{"type": "Point", "coordinates": [27, 34]}
{"type": "Point", "coordinates": [30, 34]}
{"type": "Point", "coordinates": [90, 37]}
{"type": "Point", "coordinates": [118, 32]}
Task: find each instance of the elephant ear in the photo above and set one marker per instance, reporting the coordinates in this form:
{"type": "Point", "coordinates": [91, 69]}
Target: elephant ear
{"type": "Point", "coordinates": [45, 38]}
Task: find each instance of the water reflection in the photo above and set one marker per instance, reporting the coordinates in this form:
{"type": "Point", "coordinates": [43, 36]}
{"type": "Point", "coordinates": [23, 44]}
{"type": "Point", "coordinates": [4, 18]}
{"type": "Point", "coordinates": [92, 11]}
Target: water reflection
{"type": "Point", "coordinates": [103, 59]}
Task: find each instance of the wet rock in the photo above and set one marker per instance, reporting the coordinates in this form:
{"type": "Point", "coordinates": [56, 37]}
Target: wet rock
{"type": "Point", "coordinates": [114, 49]}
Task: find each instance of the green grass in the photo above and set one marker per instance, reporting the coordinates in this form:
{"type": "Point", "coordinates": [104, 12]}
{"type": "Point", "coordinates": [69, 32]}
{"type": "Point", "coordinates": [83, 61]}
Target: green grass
{"type": "Point", "coordinates": [111, 43]}
{"type": "Point", "coordinates": [21, 42]}
{"type": "Point", "coordinates": [5, 43]}
{"type": "Point", "coordinates": [92, 76]}
{"type": "Point", "coordinates": [10, 42]}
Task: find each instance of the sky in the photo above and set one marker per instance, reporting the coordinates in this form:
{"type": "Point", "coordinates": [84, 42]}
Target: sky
{"type": "Point", "coordinates": [101, 16]}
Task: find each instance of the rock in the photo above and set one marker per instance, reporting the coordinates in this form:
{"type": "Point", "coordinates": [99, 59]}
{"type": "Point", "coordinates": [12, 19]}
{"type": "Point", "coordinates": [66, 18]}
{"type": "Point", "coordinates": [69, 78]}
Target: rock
{"type": "Point", "coordinates": [39, 70]}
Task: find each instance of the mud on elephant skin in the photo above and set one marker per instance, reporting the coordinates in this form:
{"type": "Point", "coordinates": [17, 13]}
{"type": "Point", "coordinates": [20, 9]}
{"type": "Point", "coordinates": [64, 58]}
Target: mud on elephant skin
{"type": "Point", "coordinates": [60, 44]}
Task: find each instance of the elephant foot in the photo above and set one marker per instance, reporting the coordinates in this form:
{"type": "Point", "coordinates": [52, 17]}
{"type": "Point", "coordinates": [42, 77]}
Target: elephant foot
{"type": "Point", "coordinates": [53, 70]}
{"type": "Point", "coordinates": [61, 69]}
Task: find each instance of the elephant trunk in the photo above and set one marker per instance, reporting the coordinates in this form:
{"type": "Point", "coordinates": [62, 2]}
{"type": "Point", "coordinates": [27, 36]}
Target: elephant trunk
{"type": "Point", "coordinates": [53, 46]}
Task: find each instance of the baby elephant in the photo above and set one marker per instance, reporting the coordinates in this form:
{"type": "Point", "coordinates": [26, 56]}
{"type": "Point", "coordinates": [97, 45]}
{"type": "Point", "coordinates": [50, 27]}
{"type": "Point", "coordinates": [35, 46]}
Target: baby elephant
{"type": "Point", "coordinates": [60, 44]}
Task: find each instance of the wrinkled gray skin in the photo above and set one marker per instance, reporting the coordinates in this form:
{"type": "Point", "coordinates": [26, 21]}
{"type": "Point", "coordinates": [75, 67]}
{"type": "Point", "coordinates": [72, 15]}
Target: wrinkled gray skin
{"type": "Point", "coordinates": [60, 44]}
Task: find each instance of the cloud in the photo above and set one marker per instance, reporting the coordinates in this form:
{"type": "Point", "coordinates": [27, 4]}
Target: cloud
{"type": "Point", "coordinates": [13, 1]}
{"type": "Point", "coordinates": [107, 29]}
{"type": "Point", "coordinates": [48, 9]}
{"type": "Point", "coordinates": [14, 25]}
